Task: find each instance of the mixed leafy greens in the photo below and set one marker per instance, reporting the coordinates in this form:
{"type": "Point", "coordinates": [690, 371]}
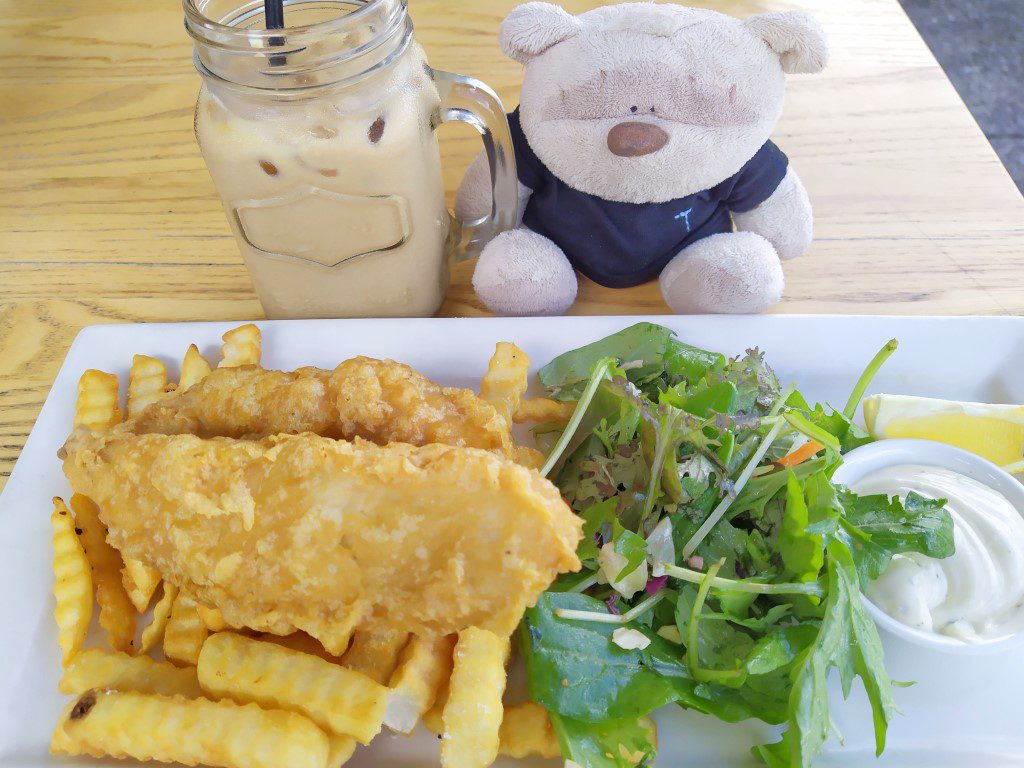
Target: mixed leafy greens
{"type": "Point", "coordinates": [722, 567]}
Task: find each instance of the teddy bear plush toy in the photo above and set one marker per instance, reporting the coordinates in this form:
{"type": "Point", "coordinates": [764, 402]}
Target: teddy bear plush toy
{"type": "Point", "coordinates": [641, 142]}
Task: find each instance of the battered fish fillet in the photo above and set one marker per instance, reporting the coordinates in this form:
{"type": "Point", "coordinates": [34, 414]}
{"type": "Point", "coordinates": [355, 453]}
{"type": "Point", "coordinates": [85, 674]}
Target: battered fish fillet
{"type": "Point", "coordinates": [305, 532]}
{"type": "Point", "coordinates": [378, 400]}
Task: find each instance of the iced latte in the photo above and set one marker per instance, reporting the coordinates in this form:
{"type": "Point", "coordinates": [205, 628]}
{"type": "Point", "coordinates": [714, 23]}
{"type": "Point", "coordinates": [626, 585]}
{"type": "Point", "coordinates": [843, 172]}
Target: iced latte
{"type": "Point", "coordinates": [331, 178]}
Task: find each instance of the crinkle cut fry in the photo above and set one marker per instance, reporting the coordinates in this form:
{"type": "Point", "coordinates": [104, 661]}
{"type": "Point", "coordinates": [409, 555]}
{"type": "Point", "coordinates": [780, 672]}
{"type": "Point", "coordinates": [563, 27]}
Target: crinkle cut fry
{"type": "Point", "coordinates": [96, 405]}
{"type": "Point", "coordinates": [188, 731]}
{"type": "Point", "coordinates": [473, 713]}
{"type": "Point", "coordinates": [337, 699]}
{"type": "Point", "coordinates": [154, 631]}
{"type": "Point", "coordinates": [506, 379]}
{"type": "Point", "coordinates": [110, 670]}
{"type": "Point", "coordinates": [184, 631]}
{"type": "Point", "coordinates": [375, 654]}
{"type": "Point", "coordinates": [72, 583]}
{"type": "Point", "coordinates": [422, 673]}
{"type": "Point", "coordinates": [116, 614]}
{"type": "Point", "coordinates": [242, 346]}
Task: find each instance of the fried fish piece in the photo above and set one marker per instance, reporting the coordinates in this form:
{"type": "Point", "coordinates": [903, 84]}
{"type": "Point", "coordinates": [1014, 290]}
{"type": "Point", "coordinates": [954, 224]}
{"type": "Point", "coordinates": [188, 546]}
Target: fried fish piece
{"type": "Point", "coordinates": [378, 400]}
{"type": "Point", "coordinates": [305, 532]}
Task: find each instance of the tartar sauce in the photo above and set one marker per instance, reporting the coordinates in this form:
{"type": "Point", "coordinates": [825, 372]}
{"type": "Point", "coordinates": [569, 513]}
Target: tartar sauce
{"type": "Point", "coordinates": [977, 594]}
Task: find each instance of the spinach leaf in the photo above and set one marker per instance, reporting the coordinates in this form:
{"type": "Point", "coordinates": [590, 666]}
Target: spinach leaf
{"type": "Point", "coordinates": [604, 681]}
{"type": "Point", "coordinates": [649, 351]}
{"type": "Point", "coordinates": [643, 345]}
{"type": "Point", "coordinates": [691, 362]}
{"type": "Point", "coordinates": [707, 399]}
{"type": "Point", "coordinates": [608, 744]}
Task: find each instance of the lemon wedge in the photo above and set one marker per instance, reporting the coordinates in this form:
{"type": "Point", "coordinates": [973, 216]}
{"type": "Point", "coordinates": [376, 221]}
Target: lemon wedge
{"type": "Point", "coordinates": [995, 432]}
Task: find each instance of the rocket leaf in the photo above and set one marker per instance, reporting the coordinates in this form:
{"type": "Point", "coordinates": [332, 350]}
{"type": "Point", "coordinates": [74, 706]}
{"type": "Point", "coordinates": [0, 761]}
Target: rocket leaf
{"type": "Point", "coordinates": [881, 527]}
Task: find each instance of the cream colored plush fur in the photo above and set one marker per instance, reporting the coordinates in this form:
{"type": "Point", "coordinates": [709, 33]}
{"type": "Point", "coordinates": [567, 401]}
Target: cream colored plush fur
{"type": "Point", "coordinates": [713, 83]}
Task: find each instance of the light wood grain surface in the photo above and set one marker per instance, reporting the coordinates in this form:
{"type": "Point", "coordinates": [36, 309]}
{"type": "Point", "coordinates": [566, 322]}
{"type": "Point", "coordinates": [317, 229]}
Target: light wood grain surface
{"type": "Point", "coordinates": [108, 215]}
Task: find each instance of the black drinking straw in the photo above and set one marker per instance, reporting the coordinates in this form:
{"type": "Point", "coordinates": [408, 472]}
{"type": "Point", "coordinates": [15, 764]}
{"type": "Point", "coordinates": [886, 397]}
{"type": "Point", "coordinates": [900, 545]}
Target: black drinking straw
{"type": "Point", "coordinates": [273, 14]}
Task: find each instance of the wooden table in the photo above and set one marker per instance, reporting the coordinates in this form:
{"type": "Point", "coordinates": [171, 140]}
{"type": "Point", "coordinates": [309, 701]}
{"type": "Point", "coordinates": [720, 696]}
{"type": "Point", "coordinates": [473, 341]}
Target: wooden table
{"type": "Point", "coordinates": [108, 215]}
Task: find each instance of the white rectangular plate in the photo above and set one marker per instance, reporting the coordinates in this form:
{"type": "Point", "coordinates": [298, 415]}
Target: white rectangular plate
{"type": "Point", "coordinates": [961, 711]}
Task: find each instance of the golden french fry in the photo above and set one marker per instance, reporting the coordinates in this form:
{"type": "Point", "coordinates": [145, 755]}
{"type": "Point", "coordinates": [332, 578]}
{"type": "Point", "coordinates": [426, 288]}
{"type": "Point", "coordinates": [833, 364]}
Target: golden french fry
{"type": "Point", "coordinates": [302, 642]}
{"type": "Point", "coordinates": [337, 638]}
{"type": "Point", "coordinates": [424, 667]}
{"type": "Point", "coordinates": [140, 582]}
{"type": "Point", "coordinates": [147, 383]}
{"type": "Point", "coordinates": [506, 379]}
{"type": "Point", "coordinates": [241, 347]}
{"type": "Point", "coordinates": [193, 368]}
{"type": "Point", "coordinates": [211, 617]}
{"type": "Point", "coordinates": [340, 750]}
{"type": "Point", "coordinates": [154, 631]}
{"type": "Point", "coordinates": [188, 731]}
{"type": "Point", "coordinates": [543, 410]}
{"type": "Point", "coordinates": [185, 631]}
{"type": "Point", "coordinates": [72, 583]}
{"type": "Point", "coordinates": [526, 730]}
{"type": "Point", "coordinates": [433, 718]}
{"type": "Point", "coordinates": [96, 405]}
{"type": "Point", "coordinates": [473, 713]}
{"type": "Point", "coordinates": [96, 668]}
{"type": "Point", "coordinates": [529, 457]}
{"type": "Point", "coordinates": [335, 698]}
{"type": "Point", "coordinates": [117, 614]}
{"type": "Point", "coordinates": [375, 654]}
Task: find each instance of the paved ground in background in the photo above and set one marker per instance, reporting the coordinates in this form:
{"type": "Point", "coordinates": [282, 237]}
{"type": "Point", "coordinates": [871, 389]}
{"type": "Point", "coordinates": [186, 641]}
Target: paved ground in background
{"type": "Point", "coordinates": [980, 44]}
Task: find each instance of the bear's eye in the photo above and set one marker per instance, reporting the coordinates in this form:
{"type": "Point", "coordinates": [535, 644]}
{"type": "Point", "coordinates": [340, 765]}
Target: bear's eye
{"type": "Point", "coordinates": [652, 109]}
{"type": "Point", "coordinates": [632, 109]}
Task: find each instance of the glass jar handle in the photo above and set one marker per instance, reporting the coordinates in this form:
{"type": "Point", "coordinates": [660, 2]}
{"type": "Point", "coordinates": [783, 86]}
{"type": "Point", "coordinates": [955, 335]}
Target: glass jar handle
{"type": "Point", "coordinates": [468, 100]}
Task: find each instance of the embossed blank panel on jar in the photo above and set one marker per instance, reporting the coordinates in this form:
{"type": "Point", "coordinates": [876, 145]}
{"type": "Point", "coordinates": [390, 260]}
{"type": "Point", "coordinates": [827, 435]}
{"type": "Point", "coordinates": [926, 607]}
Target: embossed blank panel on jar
{"type": "Point", "coordinates": [320, 138]}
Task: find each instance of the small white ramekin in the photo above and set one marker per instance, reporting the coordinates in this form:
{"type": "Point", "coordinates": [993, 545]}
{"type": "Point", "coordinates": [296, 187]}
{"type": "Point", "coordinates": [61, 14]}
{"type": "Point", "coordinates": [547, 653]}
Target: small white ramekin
{"type": "Point", "coordinates": [886, 453]}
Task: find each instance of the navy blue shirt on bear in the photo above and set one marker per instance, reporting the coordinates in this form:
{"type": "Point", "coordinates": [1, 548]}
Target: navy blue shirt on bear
{"type": "Point", "coordinates": [619, 245]}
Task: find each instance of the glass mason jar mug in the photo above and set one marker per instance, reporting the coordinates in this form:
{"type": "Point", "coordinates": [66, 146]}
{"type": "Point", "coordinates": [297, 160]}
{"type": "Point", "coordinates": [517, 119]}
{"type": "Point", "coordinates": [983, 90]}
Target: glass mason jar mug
{"type": "Point", "coordinates": [320, 140]}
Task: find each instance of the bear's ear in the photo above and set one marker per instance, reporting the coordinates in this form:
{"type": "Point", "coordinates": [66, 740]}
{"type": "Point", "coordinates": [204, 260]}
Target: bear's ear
{"type": "Point", "coordinates": [795, 36]}
{"type": "Point", "coordinates": [532, 28]}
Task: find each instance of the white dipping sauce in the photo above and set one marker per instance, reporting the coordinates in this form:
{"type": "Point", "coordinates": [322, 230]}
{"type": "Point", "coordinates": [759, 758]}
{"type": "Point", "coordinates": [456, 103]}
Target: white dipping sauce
{"type": "Point", "coordinates": [977, 594]}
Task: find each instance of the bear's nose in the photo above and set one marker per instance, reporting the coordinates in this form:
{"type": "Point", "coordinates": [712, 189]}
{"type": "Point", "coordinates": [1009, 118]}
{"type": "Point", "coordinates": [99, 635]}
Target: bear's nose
{"type": "Point", "coordinates": [633, 139]}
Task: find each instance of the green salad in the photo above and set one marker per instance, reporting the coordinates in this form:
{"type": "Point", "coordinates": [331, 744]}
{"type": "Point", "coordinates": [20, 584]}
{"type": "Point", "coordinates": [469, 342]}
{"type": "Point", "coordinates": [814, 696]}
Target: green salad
{"type": "Point", "coordinates": [722, 567]}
